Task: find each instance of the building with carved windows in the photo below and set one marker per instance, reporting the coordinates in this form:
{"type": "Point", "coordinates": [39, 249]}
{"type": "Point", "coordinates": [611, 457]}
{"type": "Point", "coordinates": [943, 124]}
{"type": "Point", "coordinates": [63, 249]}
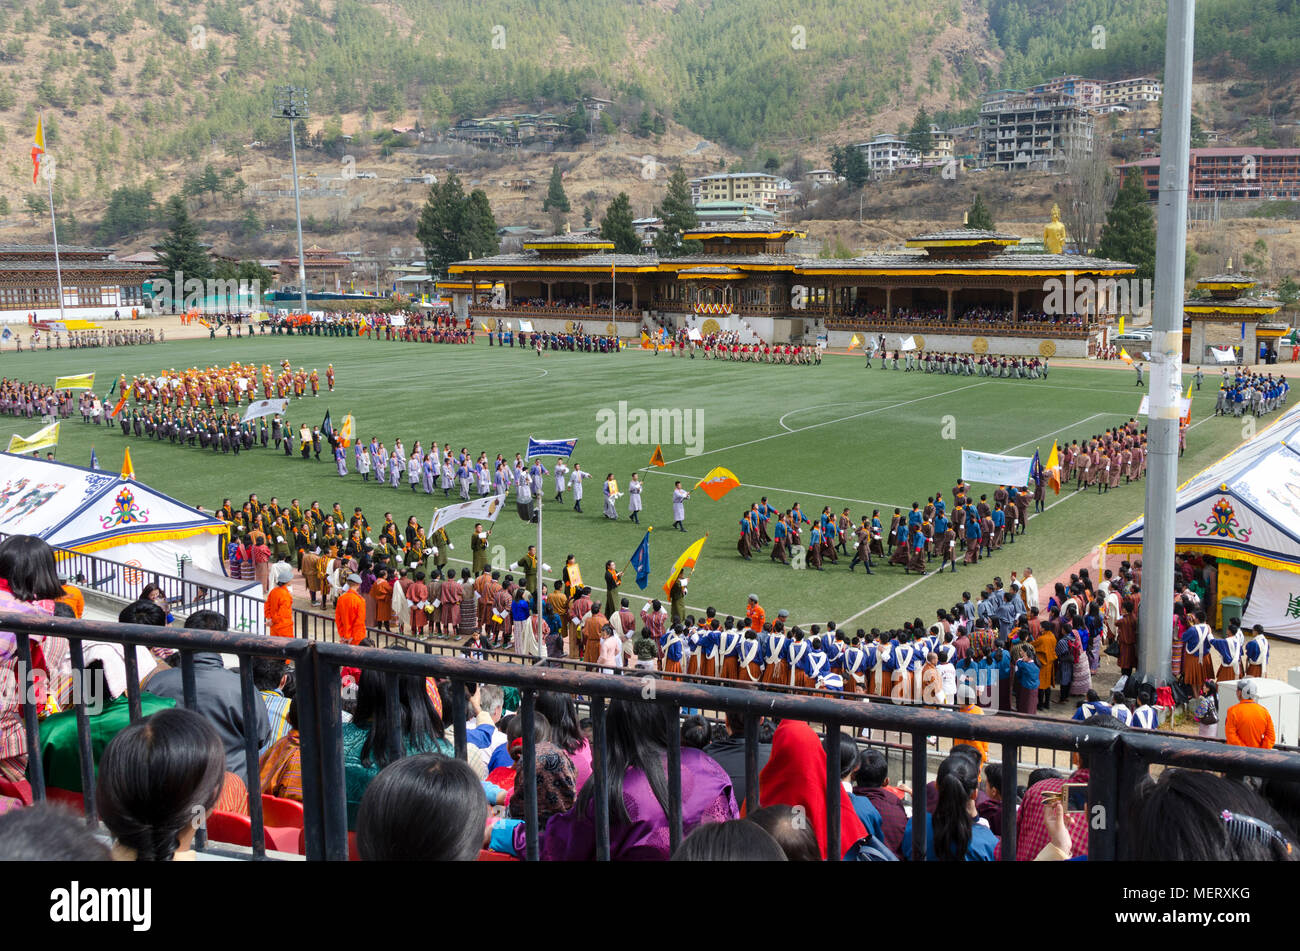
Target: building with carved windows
{"type": "Point", "coordinates": [95, 282]}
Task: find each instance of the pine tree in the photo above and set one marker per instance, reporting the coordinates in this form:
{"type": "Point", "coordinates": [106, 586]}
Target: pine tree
{"type": "Point", "coordinates": [555, 196]}
{"type": "Point", "coordinates": [454, 226]}
{"type": "Point", "coordinates": [979, 216]}
{"type": "Point", "coordinates": [181, 249]}
{"type": "Point", "coordinates": [1129, 233]}
{"type": "Point", "coordinates": [439, 227]}
{"type": "Point", "coordinates": [617, 226]}
{"type": "Point", "coordinates": [678, 215]}
{"type": "Point", "coordinates": [856, 171]}
{"type": "Point", "coordinates": [479, 226]}
{"type": "Point", "coordinates": [920, 138]}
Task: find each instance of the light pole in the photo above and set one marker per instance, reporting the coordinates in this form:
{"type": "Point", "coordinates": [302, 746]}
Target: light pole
{"type": "Point", "coordinates": [1156, 610]}
{"type": "Point", "coordinates": [291, 103]}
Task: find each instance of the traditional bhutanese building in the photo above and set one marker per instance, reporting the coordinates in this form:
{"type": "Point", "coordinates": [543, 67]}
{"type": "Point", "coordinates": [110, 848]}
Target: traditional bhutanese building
{"type": "Point", "coordinates": [95, 283]}
{"type": "Point", "coordinates": [326, 270]}
{"type": "Point", "coordinates": [1227, 316]}
{"type": "Point", "coordinates": [956, 291]}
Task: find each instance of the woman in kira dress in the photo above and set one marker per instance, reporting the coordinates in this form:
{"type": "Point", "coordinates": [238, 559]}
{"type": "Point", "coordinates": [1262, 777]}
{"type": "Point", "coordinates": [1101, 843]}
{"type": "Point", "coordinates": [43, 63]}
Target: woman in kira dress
{"type": "Point", "coordinates": [638, 793]}
{"type": "Point", "coordinates": [742, 544]}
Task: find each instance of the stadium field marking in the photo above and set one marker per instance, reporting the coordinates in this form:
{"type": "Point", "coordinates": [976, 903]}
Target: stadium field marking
{"type": "Point", "coordinates": [781, 422]}
{"type": "Point", "coordinates": [774, 488]}
{"type": "Point", "coordinates": [1059, 429]}
{"type": "Point", "coordinates": [829, 422]}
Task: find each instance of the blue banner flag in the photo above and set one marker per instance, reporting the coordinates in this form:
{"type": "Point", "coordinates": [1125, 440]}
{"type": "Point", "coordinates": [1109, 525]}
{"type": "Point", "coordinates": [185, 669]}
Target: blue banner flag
{"type": "Point", "coordinates": [550, 447]}
{"type": "Point", "coordinates": [641, 562]}
{"type": "Point", "coordinates": [1036, 469]}
{"type": "Point", "coordinates": [326, 426]}
{"type": "Point", "coordinates": [94, 462]}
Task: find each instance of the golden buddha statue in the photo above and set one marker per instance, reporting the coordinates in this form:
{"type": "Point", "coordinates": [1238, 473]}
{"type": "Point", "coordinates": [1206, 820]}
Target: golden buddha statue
{"type": "Point", "coordinates": [1054, 233]}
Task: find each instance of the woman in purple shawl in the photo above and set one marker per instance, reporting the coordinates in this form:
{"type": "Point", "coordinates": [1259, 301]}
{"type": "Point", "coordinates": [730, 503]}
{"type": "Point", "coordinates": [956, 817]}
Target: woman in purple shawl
{"type": "Point", "coordinates": [638, 793]}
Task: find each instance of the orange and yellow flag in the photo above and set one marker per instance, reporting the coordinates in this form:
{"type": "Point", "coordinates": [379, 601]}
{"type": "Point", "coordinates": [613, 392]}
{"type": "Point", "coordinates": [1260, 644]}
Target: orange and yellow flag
{"type": "Point", "coordinates": [685, 560]}
{"type": "Point", "coordinates": [347, 431]}
{"type": "Point", "coordinates": [128, 470]}
{"type": "Point", "coordinates": [658, 458]}
{"type": "Point", "coordinates": [1123, 355]}
{"type": "Point", "coordinates": [1054, 470]}
{"type": "Point", "coordinates": [718, 483]}
{"type": "Point", "coordinates": [38, 149]}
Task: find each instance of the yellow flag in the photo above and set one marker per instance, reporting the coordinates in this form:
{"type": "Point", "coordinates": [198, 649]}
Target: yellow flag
{"type": "Point", "coordinates": [1121, 323]}
{"type": "Point", "coordinates": [1054, 470]}
{"type": "Point", "coordinates": [854, 342]}
{"type": "Point", "coordinates": [128, 470]}
{"type": "Point", "coordinates": [38, 148]}
{"type": "Point", "coordinates": [685, 560]}
{"type": "Point", "coordinates": [347, 431]}
{"type": "Point", "coordinates": [82, 381]}
{"type": "Point", "coordinates": [41, 439]}
{"type": "Point", "coordinates": [718, 483]}
{"type": "Point", "coordinates": [1123, 355]}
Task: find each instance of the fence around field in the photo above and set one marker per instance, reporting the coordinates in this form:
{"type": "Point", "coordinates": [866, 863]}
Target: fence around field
{"type": "Point", "coordinates": [124, 582]}
{"type": "Point", "coordinates": [1117, 758]}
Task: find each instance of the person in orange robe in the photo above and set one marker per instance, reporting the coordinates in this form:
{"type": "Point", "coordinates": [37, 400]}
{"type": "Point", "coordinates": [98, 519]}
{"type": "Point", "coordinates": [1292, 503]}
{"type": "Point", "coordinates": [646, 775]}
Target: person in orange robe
{"type": "Point", "coordinates": [350, 612]}
{"type": "Point", "coordinates": [382, 592]}
{"type": "Point", "coordinates": [279, 603]}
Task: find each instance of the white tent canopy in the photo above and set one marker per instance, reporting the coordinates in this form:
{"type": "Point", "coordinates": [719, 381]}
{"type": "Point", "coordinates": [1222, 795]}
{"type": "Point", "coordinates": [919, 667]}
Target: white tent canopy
{"type": "Point", "coordinates": [1245, 507]}
{"type": "Point", "coordinates": [90, 511]}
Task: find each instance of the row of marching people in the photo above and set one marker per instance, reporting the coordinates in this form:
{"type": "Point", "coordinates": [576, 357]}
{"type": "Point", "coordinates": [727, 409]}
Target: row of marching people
{"type": "Point", "coordinates": [922, 669]}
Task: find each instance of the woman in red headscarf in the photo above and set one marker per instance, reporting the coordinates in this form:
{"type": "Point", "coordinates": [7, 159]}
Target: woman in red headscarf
{"type": "Point", "coordinates": [795, 775]}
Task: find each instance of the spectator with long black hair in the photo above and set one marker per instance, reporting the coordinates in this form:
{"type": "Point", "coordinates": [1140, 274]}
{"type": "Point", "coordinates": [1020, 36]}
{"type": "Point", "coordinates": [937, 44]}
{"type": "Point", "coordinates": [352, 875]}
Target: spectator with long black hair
{"type": "Point", "coordinates": [636, 759]}
{"type": "Point", "coordinates": [159, 780]}
{"type": "Point", "coordinates": [422, 808]}
{"type": "Point", "coordinates": [953, 833]}
{"type": "Point", "coordinates": [372, 740]}
{"type": "Point", "coordinates": [566, 733]}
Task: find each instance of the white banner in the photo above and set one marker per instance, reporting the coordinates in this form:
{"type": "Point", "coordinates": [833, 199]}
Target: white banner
{"type": "Point", "coordinates": [526, 326]}
{"type": "Point", "coordinates": [1274, 603]}
{"type": "Point", "coordinates": [485, 509]}
{"type": "Point", "coordinates": [907, 343]}
{"type": "Point", "coordinates": [693, 334]}
{"type": "Point", "coordinates": [264, 408]}
{"type": "Point", "coordinates": [1184, 405]}
{"type": "Point", "coordinates": [994, 469]}
{"type": "Point", "coordinates": [1223, 356]}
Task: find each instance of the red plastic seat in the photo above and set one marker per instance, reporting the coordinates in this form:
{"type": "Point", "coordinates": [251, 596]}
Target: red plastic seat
{"type": "Point", "coordinates": [281, 813]}
{"type": "Point", "coordinates": [353, 854]}
{"type": "Point", "coordinates": [234, 828]}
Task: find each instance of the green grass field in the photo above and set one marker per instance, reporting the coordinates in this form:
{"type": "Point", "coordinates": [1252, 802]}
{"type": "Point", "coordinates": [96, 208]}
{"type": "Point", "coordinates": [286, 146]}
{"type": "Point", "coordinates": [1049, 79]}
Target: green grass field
{"type": "Point", "coordinates": [831, 435]}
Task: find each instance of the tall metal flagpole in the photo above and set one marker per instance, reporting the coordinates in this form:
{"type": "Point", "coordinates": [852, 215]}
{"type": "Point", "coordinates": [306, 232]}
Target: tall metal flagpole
{"type": "Point", "coordinates": [54, 230]}
{"type": "Point", "coordinates": [1154, 644]}
{"type": "Point", "coordinates": [537, 595]}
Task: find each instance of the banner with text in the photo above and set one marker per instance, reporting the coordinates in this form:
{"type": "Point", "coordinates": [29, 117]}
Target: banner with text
{"type": "Point", "coordinates": [1274, 604]}
{"type": "Point", "coordinates": [994, 469]}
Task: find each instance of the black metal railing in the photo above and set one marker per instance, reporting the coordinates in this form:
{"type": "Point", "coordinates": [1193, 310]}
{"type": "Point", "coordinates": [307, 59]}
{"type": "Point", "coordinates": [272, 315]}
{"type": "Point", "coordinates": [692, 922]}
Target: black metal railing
{"type": "Point", "coordinates": [1116, 758]}
{"type": "Point", "coordinates": [125, 582]}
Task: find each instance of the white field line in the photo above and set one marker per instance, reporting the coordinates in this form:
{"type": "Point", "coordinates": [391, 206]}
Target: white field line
{"type": "Point", "coordinates": [829, 422]}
